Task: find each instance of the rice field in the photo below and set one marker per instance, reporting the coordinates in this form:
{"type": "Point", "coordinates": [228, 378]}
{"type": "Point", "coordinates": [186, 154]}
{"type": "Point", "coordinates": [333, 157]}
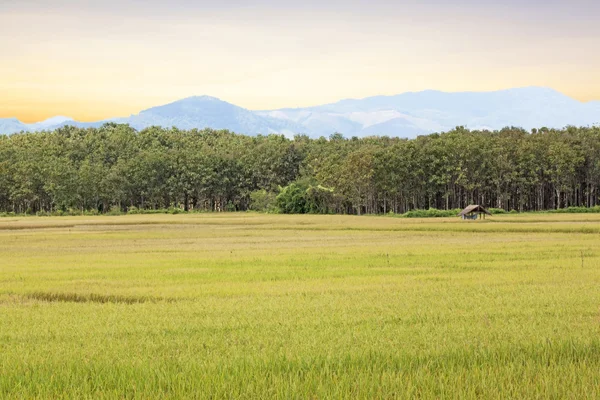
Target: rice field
{"type": "Point", "coordinates": [258, 306]}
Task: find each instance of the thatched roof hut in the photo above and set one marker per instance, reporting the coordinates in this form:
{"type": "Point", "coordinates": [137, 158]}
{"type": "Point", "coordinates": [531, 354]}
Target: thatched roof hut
{"type": "Point", "coordinates": [473, 211]}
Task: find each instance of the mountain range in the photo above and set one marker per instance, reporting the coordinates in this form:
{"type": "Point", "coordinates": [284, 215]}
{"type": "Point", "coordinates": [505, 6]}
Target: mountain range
{"type": "Point", "coordinates": [404, 115]}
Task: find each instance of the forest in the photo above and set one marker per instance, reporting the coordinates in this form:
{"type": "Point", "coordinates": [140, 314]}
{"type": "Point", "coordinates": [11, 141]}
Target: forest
{"type": "Point", "coordinates": [115, 168]}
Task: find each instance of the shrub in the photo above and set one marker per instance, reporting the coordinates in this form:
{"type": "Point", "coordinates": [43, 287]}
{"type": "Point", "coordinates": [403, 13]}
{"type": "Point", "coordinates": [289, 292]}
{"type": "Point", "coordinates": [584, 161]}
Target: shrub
{"type": "Point", "coordinates": [263, 201]}
{"type": "Point", "coordinates": [114, 210]}
{"type": "Point", "coordinates": [577, 210]}
{"type": "Point", "coordinates": [230, 206]}
{"type": "Point", "coordinates": [431, 213]}
{"type": "Point", "coordinates": [174, 210]}
{"type": "Point", "coordinates": [134, 210]}
{"type": "Point", "coordinates": [292, 199]}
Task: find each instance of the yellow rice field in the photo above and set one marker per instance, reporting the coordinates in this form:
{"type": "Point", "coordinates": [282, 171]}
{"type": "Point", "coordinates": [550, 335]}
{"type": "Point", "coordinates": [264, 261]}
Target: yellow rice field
{"type": "Point", "coordinates": [280, 306]}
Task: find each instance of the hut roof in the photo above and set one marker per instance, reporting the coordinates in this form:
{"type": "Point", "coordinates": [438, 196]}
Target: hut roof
{"type": "Point", "coordinates": [474, 208]}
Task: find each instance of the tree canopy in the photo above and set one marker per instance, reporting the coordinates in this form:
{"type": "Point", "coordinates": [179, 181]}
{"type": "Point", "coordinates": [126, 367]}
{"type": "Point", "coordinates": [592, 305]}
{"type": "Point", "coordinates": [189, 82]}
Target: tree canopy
{"type": "Point", "coordinates": [114, 167]}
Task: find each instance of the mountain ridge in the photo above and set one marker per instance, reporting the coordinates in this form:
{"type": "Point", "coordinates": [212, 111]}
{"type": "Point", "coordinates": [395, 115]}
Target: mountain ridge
{"type": "Point", "coordinates": [405, 115]}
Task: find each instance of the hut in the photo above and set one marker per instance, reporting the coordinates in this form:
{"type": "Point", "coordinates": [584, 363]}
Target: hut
{"type": "Point", "coordinates": [474, 211]}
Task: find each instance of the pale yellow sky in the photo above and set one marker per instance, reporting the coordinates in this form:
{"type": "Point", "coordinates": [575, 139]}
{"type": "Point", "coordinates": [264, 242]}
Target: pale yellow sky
{"type": "Point", "coordinates": [113, 59]}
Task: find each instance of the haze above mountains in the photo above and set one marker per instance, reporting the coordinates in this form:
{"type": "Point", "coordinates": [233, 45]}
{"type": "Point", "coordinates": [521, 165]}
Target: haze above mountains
{"type": "Point", "coordinates": [404, 115]}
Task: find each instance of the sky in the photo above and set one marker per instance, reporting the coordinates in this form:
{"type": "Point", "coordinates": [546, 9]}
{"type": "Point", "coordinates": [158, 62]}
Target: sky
{"type": "Point", "coordinates": [91, 60]}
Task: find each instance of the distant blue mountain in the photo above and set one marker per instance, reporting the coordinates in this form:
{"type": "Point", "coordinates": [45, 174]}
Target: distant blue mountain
{"type": "Point", "coordinates": [209, 112]}
{"type": "Point", "coordinates": [50, 123]}
{"type": "Point", "coordinates": [410, 114]}
{"type": "Point", "coordinates": [404, 115]}
{"type": "Point", "coordinates": [11, 125]}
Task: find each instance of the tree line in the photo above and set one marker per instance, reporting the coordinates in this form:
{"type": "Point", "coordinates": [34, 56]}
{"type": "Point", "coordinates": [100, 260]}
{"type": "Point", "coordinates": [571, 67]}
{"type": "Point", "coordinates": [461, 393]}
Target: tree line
{"type": "Point", "coordinates": [115, 167]}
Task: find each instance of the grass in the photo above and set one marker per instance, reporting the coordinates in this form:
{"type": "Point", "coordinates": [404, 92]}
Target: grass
{"type": "Point", "coordinates": [276, 306]}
